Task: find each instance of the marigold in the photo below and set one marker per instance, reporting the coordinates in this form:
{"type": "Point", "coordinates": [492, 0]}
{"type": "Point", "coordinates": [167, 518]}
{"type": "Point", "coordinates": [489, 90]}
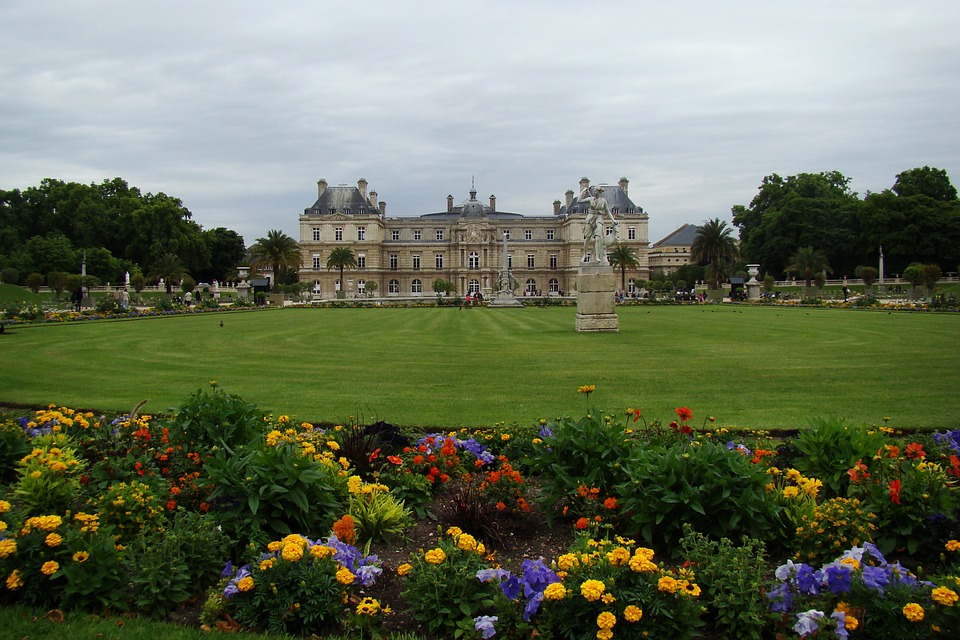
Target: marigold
{"type": "Point", "coordinates": [245, 584]}
{"type": "Point", "coordinates": [555, 591]}
{"type": "Point", "coordinates": [435, 556]}
{"type": "Point", "coordinates": [604, 634]}
{"type": "Point", "coordinates": [953, 545]}
{"type": "Point", "coordinates": [292, 552]}
{"type": "Point", "coordinates": [913, 612]}
{"type": "Point", "coordinates": [466, 542]}
{"type": "Point", "coordinates": [4, 506]}
{"type": "Point", "coordinates": [345, 576]}
{"type": "Point", "coordinates": [592, 590]}
{"type": "Point", "coordinates": [567, 561]}
{"type": "Point", "coordinates": [50, 567]}
{"type": "Point", "coordinates": [618, 557]}
{"type": "Point", "coordinates": [606, 620]}
{"type": "Point", "coordinates": [321, 551]}
{"type": "Point", "coordinates": [944, 596]}
{"type": "Point", "coordinates": [583, 523]}
{"type": "Point", "coordinates": [14, 581]}
{"type": "Point", "coordinates": [404, 569]}
{"type": "Point", "coordinates": [668, 584]}
{"type": "Point", "coordinates": [632, 613]}
{"type": "Point", "coordinates": [7, 547]}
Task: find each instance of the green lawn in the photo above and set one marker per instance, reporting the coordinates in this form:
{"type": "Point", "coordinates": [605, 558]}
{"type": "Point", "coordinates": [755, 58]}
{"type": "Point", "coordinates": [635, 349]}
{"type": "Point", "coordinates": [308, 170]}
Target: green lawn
{"type": "Point", "coordinates": [757, 367]}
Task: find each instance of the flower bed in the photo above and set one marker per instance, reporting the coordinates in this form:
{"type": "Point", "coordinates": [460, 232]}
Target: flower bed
{"type": "Point", "coordinates": [677, 529]}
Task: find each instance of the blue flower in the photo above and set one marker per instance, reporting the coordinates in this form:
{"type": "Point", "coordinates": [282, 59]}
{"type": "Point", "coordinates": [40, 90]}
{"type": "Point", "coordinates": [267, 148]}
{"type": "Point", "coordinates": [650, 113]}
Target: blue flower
{"type": "Point", "coordinates": [511, 587]}
{"type": "Point", "coordinates": [841, 619]}
{"type": "Point", "coordinates": [484, 624]}
{"type": "Point", "coordinates": [532, 605]}
{"type": "Point", "coordinates": [875, 578]}
{"type": "Point", "coordinates": [781, 597]}
{"type": "Point", "coordinates": [808, 580]}
{"type": "Point", "coordinates": [489, 575]}
{"type": "Point", "coordinates": [536, 576]}
{"type": "Point", "coordinates": [545, 431]}
{"type": "Point", "coordinates": [838, 578]}
{"type": "Point", "coordinates": [808, 622]}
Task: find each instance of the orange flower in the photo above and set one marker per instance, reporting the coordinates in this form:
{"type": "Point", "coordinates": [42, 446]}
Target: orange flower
{"type": "Point", "coordinates": [610, 503]}
{"type": "Point", "coordinates": [582, 523]}
{"type": "Point", "coordinates": [684, 413]}
{"type": "Point", "coordinates": [915, 450]}
{"type": "Point", "coordinates": [895, 492]}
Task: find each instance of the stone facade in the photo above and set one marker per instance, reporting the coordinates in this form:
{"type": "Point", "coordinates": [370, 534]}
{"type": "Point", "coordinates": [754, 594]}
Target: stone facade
{"type": "Point", "coordinates": [673, 251]}
{"type": "Point", "coordinates": [462, 244]}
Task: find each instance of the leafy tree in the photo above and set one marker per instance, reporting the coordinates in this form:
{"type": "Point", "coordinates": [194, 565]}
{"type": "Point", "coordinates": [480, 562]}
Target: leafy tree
{"type": "Point", "coordinates": [914, 274]}
{"type": "Point", "coordinates": [715, 247]}
{"type": "Point", "coordinates": [623, 258]}
{"type": "Point", "coordinates": [168, 267]}
{"type": "Point", "coordinates": [34, 281]}
{"type": "Point", "coordinates": [43, 254]}
{"type": "Point", "coordinates": [226, 252]}
{"type": "Point", "coordinates": [277, 250]}
{"type": "Point", "coordinates": [869, 275]}
{"type": "Point", "coordinates": [803, 210]}
{"type": "Point", "coordinates": [342, 258]}
{"type": "Point", "coordinates": [57, 280]}
{"type": "Point", "coordinates": [931, 275]}
{"type": "Point", "coordinates": [691, 273]}
{"type": "Point", "coordinates": [441, 286]}
{"type": "Point", "coordinates": [925, 181]}
{"type": "Point", "coordinates": [807, 262]}
{"type": "Point", "coordinates": [138, 282]}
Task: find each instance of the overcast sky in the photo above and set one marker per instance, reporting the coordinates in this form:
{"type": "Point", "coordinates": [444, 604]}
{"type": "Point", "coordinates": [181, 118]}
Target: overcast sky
{"type": "Point", "coordinates": [238, 107]}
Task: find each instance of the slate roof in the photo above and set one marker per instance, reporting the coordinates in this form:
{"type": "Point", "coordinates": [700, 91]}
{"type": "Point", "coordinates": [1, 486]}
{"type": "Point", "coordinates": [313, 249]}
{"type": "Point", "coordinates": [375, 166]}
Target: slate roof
{"type": "Point", "coordinates": [616, 198]}
{"type": "Point", "coordinates": [342, 198]}
{"type": "Point", "coordinates": [682, 237]}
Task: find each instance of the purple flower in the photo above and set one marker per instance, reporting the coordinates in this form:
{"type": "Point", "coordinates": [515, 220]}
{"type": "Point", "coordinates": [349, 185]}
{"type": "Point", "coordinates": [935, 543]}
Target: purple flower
{"type": "Point", "coordinates": [532, 605]}
{"type": "Point", "coordinates": [489, 575]}
{"type": "Point", "coordinates": [511, 587]}
{"type": "Point", "coordinates": [484, 624]}
{"type": "Point", "coordinates": [781, 598]}
{"type": "Point", "coordinates": [545, 431]}
{"type": "Point", "coordinates": [841, 619]}
{"type": "Point", "coordinates": [808, 580]}
{"type": "Point", "coordinates": [808, 622]}
{"type": "Point", "coordinates": [838, 578]}
{"type": "Point", "coordinates": [875, 578]}
{"type": "Point", "coordinates": [536, 576]}
{"type": "Point", "coordinates": [368, 574]}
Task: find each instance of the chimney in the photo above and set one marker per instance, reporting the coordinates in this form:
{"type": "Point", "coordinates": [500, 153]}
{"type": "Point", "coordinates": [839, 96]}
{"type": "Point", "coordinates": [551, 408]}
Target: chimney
{"type": "Point", "coordinates": [569, 195]}
{"type": "Point", "coordinates": [373, 198]}
{"type": "Point", "coordinates": [383, 208]}
{"type": "Point", "coordinates": [624, 183]}
{"type": "Point", "coordinates": [362, 188]}
{"type": "Point", "coordinates": [449, 203]}
{"type": "Point", "coordinates": [321, 187]}
{"type": "Point", "coordinates": [493, 202]}
{"type": "Point", "coordinates": [556, 207]}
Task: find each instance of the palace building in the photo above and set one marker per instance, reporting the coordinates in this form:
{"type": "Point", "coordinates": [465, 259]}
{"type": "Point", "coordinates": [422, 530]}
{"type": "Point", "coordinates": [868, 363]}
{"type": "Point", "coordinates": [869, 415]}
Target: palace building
{"type": "Point", "coordinates": [464, 243]}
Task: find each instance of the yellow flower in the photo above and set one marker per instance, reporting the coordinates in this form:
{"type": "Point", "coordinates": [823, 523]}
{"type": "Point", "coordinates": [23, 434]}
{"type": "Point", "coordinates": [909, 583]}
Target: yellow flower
{"type": "Point", "coordinates": [913, 612]}
{"type": "Point", "coordinates": [454, 531]}
{"type": "Point", "coordinates": [7, 547]}
{"type": "Point", "coordinates": [404, 569]}
{"type": "Point", "coordinates": [80, 556]}
{"type": "Point", "coordinates": [321, 551]}
{"type": "Point", "coordinates": [53, 540]}
{"type": "Point", "coordinates": [50, 567]}
{"type": "Point", "coordinates": [606, 620]}
{"type": "Point", "coordinates": [953, 545]}
{"type": "Point", "coordinates": [368, 607]}
{"type": "Point", "coordinates": [618, 557]}
{"type": "Point", "coordinates": [587, 388]}
{"type": "Point", "coordinates": [267, 564]}
{"type": "Point", "coordinates": [567, 561]}
{"type": "Point", "coordinates": [245, 584]}
{"type": "Point", "coordinates": [791, 492]}
{"type": "Point", "coordinates": [4, 506]}
{"type": "Point", "coordinates": [632, 613]}
{"type": "Point", "coordinates": [555, 591]}
{"type": "Point", "coordinates": [292, 552]}
{"type": "Point", "coordinates": [668, 584]}
{"type": "Point", "coordinates": [607, 598]}
{"type": "Point", "coordinates": [592, 590]}
{"type": "Point", "coordinates": [435, 556]}
{"type": "Point", "coordinates": [944, 596]}
{"type": "Point", "coordinates": [467, 542]}
{"type": "Point", "coordinates": [344, 576]}
{"type": "Point", "coordinates": [14, 581]}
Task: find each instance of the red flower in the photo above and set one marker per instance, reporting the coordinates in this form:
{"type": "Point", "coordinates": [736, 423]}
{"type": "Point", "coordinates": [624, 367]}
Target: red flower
{"type": "Point", "coordinates": [954, 469]}
{"type": "Point", "coordinates": [610, 503]}
{"type": "Point", "coordinates": [582, 523]}
{"type": "Point", "coordinates": [397, 460]}
{"type": "Point", "coordinates": [915, 450]}
{"type": "Point", "coordinates": [686, 430]}
{"type": "Point", "coordinates": [893, 451]}
{"type": "Point", "coordinates": [684, 413]}
{"type": "Point", "coordinates": [636, 414]}
{"type": "Point", "coordinates": [858, 472]}
{"type": "Point", "coordinates": [171, 504]}
{"type": "Point", "coordinates": [895, 492]}
{"type": "Point", "coordinates": [674, 425]}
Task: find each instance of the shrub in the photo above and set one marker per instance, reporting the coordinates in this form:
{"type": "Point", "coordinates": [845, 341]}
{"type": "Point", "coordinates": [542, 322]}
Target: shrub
{"type": "Point", "coordinates": [377, 515]}
{"type": "Point", "coordinates": [830, 447]}
{"type": "Point", "coordinates": [132, 508]}
{"type": "Point", "coordinates": [213, 418]}
{"type": "Point", "coordinates": [833, 526]}
{"type": "Point", "coordinates": [14, 445]}
{"type": "Point", "coordinates": [49, 476]}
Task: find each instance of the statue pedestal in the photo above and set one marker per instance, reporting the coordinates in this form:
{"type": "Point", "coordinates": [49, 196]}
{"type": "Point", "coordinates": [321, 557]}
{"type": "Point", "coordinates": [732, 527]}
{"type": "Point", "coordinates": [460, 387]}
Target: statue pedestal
{"type": "Point", "coordinates": [504, 299]}
{"type": "Point", "coordinates": [596, 306]}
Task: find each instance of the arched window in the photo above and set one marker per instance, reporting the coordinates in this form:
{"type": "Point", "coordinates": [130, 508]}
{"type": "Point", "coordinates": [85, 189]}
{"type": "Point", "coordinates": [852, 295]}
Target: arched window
{"type": "Point", "coordinates": [316, 287]}
{"type": "Point", "coordinates": [474, 260]}
{"type": "Point", "coordinates": [361, 286]}
{"type": "Point", "coordinates": [631, 285]}
{"type": "Point", "coordinates": [531, 286]}
{"type": "Point", "coordinates": [474, 286]}
{"type": "Point", "coordinates": [393, 286]}
{"type": "Point", "coordinates": [416, 286]}
{"type": "Point", "coordinates": [554, 285]}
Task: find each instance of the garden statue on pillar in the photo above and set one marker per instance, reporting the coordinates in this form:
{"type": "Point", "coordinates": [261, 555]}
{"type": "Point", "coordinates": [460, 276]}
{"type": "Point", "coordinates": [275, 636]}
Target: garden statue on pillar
{"type": "Point", "coordinates": [506, 283]}
{"type": "Point", "coordinates": [595, 282]}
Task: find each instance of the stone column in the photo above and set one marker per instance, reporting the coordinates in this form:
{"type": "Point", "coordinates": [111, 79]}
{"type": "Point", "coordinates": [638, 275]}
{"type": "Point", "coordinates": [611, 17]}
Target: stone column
{"type": "Point", "coordinates": [596, 305]}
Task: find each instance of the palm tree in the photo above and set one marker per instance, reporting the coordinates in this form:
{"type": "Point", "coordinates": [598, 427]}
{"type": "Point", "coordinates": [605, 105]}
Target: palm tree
{"type": "Point", "coordinates": [715, 247]}
{"type": "Point", "coordinates": [169, 268]}
{"type": "Point", "coordinates": [341, 258]}
{"type": "Point", "coordinates": [277, 250]}
{"type": "Point", "coordinates": [808, 261]}
{"type": "Point", "coordinates": [623, 257]}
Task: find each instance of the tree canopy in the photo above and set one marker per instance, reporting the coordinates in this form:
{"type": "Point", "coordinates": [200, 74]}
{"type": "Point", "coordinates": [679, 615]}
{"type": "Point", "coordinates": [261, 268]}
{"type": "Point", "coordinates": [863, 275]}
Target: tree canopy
{"type": "Point", "coordinates": [278, 250]}
{"type": "Point", "coordinates": [715, 247]}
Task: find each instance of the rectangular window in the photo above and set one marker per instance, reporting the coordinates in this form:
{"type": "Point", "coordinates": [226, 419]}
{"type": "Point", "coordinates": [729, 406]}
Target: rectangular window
{"type": "Point", "coordinates": [554, 261]}
{"type": "Point", "coordinates": [316, 262]}
{"type": "Point", "coordinates": [439, 261]}
{"type": "Point", "coordinates": [439, 234]}
{"type": "Point", "coordinates": [417, 234]}
{"type": "Point", "coordinates": [531, 258]}
{"type": "Point", "coordinates": [316, 234]}
{"type": "Point", "coordinates": [631, 233]}
{"type": "Point", "coordinates": [361, 233]}
{"type": "Point", "coordinates": [393, 262]}
{"type": "Point", "coordinates": [528, 234]}
{"type": "Point", "coordinates": [549, 234]}
{"type": "Point", "coordinates": [338, 234]}
{"type": "Point", "coordinates": [506, 234]}
{"type": "Point", "coordinates": [509, 261]}
{"type": "Point", "coordinates": [361, 261]}
{"type": "Point", "coordinates": [395, 235]}
{"type": "Point", "coordinates": [416, 262]}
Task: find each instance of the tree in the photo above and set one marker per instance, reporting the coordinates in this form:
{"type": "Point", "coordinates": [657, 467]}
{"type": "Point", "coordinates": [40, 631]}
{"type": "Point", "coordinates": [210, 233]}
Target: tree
{"type": "Point", "coordinates": [57, 280]}
{"type": "Point", "coordinates": [169, 268]}
{"type": "Point", "coordinates": [914, 274]}
{"type": "Point", "coordinates": [807, 262]}
{"type": "Point", "coordinates": [226, 252]}
{"type": "Point", "coordinates": [277, 250]}
{"type": "Point", "coordinates": [925, 181]}
{"type": "Point", "coordinates": [931, 276]}
{"type": "Point", "coordinates": [623, 257]}
{"type": "Point", "coordinates": [715, 247]}
{"type": "Point", "coordinates": [341, 258]}
{"type": "Point", "coordinates": [138, 282]}
{"type": "Point", "coordinates": [869, 275]}
{"type": "Point", "coordinates": [34, 281]}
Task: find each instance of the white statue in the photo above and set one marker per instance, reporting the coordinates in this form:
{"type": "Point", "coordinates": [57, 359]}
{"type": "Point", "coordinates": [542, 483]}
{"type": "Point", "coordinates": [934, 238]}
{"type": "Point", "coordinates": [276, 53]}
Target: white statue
{"type": "Point", "coordinates": [593, 230]}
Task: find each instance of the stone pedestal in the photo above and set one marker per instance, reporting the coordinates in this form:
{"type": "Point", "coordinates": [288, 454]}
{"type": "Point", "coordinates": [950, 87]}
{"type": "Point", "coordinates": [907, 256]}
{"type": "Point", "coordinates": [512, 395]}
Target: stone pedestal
{"type": "Point", "coordinates": [596, 307]}
{"type": "Point", "coordinates": [753, 286]}
{"type": "Point", "coordinates": [504, 299]}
